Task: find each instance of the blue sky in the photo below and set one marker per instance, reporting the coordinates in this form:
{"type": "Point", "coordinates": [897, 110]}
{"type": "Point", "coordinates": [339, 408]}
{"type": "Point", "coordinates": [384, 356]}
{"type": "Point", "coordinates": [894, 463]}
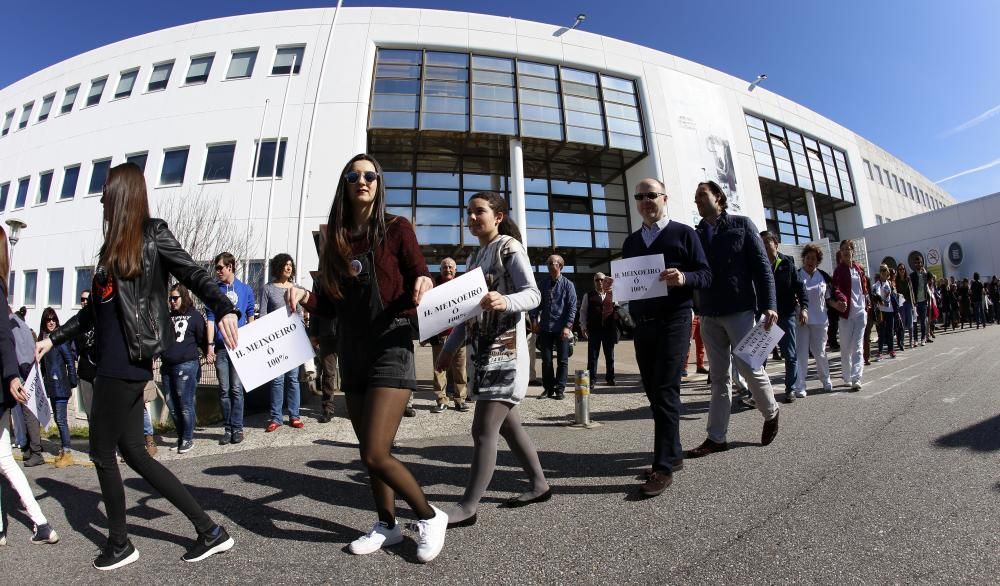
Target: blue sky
{"type": "Point", "coordinates": [920, 78]}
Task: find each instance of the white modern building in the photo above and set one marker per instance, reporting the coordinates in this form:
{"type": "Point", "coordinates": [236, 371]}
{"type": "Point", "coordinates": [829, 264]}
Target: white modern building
{"type": "Point", "coordinates": [254, 117]}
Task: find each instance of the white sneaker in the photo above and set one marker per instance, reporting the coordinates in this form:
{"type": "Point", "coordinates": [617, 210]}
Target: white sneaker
{"type": "Point", "coordinates": [380, 536]}
{"type": "Point", "coordinates": [856, 386]}
{"type": "Point", "coordinates": [430, 535]}
{"type": "Point", "coordinates": [800, 394]}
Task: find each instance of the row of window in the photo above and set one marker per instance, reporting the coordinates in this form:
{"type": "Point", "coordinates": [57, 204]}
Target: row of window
{"type": "Point", "coordinates": [902, 186]}
{"type": "Point", "coordinates": [217, 166]}
{"type": "Point", "coordinates": [287, 61]}
{"type": "Point", "coordinates": [434, 90]}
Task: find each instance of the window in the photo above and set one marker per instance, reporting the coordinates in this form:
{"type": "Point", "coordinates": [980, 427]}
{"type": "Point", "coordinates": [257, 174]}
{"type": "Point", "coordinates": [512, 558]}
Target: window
{"type": "Point", "coordinates": [160, 76]}
{"type": "Point", "coordinates": [30, 284]}
{"type": "Point", "coordinates": [174, 165]}
{"type": "Point", "coordinates": [11, 281]}
{"type": "Point", "coordinates": [241, 64]}
{"type": "Point", "coordinates": [69, 99]}
{"type": "Point", "coordinates": [22, 192]}
{"type": "Point", "coordinates": [285, 58]}
{"type": "Point", "coordinates": [84, 278]}
{"type": "Point", "coordinates": [199, 69]}
{"type": "Point", "coordinates": [98, 175]}
{"type": "Point", "coordinates": [622, 113]}
{"type": "Point", "coordinates": [7, 121]}
{"type": "Point", "coordinates": [70, 177]}
{"type": "Point", "coordinates": [139, 159]}
{"type": "Point", "coordinates": [868, 169]}
{"type": "Point", "coordinates": [396, 99]}
{"type": "Point", "coordinates": [25, 114]}
{"type": "Point", "coordinates": [255, 274]}
{"type": "Point", "coordinates": [125, 83]}
{"type": "Point", "coordinates": [446, 92]}
{"type": "Point", "coordinates": [266, 163]}
{"type": "Point", "coordinates": [4, 192]}
{"type": "Point", "coordinates": [55, 287]}
{"type": "Point", "coordinates": [96, 90]}
{"type": "Point", "coordinates": [43, 113]}
{"type": "Point", "coordinates": [44, 185]}
{"type": "Point", "coordinates": [219, 162]}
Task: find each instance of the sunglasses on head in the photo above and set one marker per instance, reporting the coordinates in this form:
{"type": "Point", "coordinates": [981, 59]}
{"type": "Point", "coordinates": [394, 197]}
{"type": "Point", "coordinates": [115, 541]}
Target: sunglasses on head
{"type": "Point", "coordinates": [354, 176]}
{"type": "Point", "coordinates": [647, 195]}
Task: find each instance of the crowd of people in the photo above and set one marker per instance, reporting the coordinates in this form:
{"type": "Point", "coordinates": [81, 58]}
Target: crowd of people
{"type": "Point", "coordinates": [724, 278]}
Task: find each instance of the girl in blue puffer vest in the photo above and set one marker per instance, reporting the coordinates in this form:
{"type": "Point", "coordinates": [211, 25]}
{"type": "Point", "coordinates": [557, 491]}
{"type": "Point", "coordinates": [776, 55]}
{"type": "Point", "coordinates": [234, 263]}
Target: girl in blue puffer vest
{"type": "Point", "coordinates": [59, 371]}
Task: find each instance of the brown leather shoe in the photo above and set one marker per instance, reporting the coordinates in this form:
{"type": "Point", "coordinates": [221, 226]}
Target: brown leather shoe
{"type": "Point", "coordinates": [770, 430]}
{"type": "Point", "coordinates": [648, 470]}
{"type": "Point", "coordinates": [707, 447]}
{"type": "Point", "coordinates": [657, 482]}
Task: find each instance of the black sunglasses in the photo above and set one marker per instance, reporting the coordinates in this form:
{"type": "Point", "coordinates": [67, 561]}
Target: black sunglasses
{"type": "Point", "coordinates": [175, 297]}
{"type": "Point", "coordinates": [220, 267]}
{"type": "Point", "coordinates": [84, 299]}
{"type": "Point", "coordinates": [647, 195]}
{"type": "Point", "coordinates": [353, 177]}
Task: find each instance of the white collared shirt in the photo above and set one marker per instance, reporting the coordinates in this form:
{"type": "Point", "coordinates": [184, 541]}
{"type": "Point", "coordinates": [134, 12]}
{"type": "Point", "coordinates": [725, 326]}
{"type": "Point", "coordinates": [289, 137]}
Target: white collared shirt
{"type": "Point", "coordinates": [649, 233]}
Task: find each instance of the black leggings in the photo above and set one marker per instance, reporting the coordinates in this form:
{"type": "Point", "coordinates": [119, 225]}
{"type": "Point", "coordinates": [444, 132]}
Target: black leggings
{"type": "Point", "coordinates": [116, 422]}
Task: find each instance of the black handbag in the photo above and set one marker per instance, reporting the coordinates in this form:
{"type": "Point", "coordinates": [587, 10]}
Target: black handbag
{"type": "Point", "coordinates": [624, 317]}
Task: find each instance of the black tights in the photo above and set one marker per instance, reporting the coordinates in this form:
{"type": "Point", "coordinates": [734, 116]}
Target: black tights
{"type": "Point", "coordinates": [116, 422]}
{"type": "Point", "coordinates": [375, 416]}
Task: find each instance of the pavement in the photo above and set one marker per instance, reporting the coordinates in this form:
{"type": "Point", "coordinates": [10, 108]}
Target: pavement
{"type": "Point", "coordinates": [898, 483]}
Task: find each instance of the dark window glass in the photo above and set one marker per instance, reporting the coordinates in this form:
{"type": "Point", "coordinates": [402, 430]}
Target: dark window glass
{"type": "Point", "coordinates": [139, 160]}
{"type": "Point", "coordinates": [44, 185]}
{"type": "Point", "coordinates": [241, 65]}
{"type": "Point", "coordinates": [4, 192]}
{"type": "Point", "coordinates": [6, 123]}
{"type": "Point", "coordinates": [399, 56]}
{"type": "Point", "coordinates": [126, 83]}
{"type": "Point", "coordinates": [25, 115]}
{"type": "Point", "coordinates": [84, 278]}
{"type": "Point", "coordinates": [43, 114]}
{"type": "Point", "coordinates": [460, 60]}
{"type": "Point", "coordinates": [98, 175]}
{"type": "Point", "coordinates": [70, 177]}
{"type": "Point", "coordinates": [22, 192]}
{"type": "Point", "coordinates": [219, 162]}
{"type": "Point", "coordinates": [285, 58]}
{"type": "Point", "coordinates": [199, 69]}
{"type": "Point", "coordinates": [160, 77]}
{"type": "Point", "coordinates": [174, 166]}
{"type": "Point", "coordinates": [96, 90]}
{"type": "Point", "coordinates": [30, 287]}
{"type": "Point", "coordinates": [266, 165]}
{"type": "Point", "coordinates": [69, 99]}
{"type": "Point", "coordinates": [55, 286]}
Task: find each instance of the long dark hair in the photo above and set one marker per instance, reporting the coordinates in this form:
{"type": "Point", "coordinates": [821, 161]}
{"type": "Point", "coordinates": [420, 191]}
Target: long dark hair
{"type": "Point", "coordinates": [4, 261]}
{"type": "Point", "coordinates": [498, 204]}
{"type": "Point", "coordinates": [278, 265]}
{"type": "Point", "coordinates": [335, 253]}
{"type": "Point", "coordinates": [126, 210]}
{"type": "Point", "coordinates": [47, 313]}
{"type": "Point", "coordinates": [185, 296]}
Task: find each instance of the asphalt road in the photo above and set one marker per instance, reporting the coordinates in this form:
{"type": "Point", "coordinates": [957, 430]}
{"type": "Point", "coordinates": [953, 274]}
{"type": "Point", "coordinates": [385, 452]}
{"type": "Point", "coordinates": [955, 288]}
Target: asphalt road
{"type": "Point", "coordinates": [899, 483]}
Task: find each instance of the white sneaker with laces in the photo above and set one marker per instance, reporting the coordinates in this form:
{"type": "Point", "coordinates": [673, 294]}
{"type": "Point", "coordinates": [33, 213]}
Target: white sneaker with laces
{"type": "Point", "coordinates": [800, 394]}
{"type": "Point", "coordinates": [430, 535]}
{"type": "Point", "coordinates": [380, 536]}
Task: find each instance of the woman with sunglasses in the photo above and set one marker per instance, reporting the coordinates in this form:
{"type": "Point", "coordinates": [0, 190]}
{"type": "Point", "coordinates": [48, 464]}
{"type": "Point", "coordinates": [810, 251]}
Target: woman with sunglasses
{"type": "Point", "coordinates": [372, 275]}
{"type": "Point", "coordinates": [180, 365]}
{"type": "Point", "coordinates": [59, 373]}
{"type": "Point", "coordinates": [499, 373]}
{"type": "Point", "coordinates": [132, 326]}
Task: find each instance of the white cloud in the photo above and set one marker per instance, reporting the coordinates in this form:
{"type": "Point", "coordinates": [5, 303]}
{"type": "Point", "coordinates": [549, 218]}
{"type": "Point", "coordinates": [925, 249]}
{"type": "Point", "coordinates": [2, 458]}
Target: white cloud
{"type": "Point", "coordinates": [989, 165]}
{"type": "Point", "coordinates": [974, 122]}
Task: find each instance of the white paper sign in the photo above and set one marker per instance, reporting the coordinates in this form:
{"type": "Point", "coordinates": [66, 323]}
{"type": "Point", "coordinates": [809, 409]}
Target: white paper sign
{"type": "Point", "coordinates": [38, 399]}
{"type": "Point", "coordinates": [451, 303]}
{"type": "Point", "coordinates": [638, 278]}
{"type": "Point", "coordinates": [270, 346]}
{"type": "Point", "coordinates": [756, 346]}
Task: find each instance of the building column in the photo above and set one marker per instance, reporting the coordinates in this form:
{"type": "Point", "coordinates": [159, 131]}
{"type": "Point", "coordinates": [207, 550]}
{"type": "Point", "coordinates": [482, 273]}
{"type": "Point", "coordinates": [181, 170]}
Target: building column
{"type": "Point", "coordinates": [517, 205]}
{"type": "Point", "coordinates": [813, 216]}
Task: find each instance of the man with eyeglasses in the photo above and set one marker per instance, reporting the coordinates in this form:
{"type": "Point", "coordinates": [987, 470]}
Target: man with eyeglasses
{"type": "Point", "coordinates": [663, 324]}
{"type": "Point", "coordinates": [86, 366]}
{"type": "Point", "coordinates": [554, 318]}
{"type": "Point", "coordinates": [742, 285]}
{"type": "Point", "coordinates": [230, 387]}
{"type": "Point", "coordinates": [599, 325]}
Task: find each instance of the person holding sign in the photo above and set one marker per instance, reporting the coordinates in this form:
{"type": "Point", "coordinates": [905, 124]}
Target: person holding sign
{"type": "Point", "coordinates": [663, 324]}
{"type": "Point", "coordinates": [742, 284]}
{"type": "Point", "coordinates": [12, 394]}
{"type": "Point", "coordinates": [132, 326]}
{"type": "Point", "coordinates": [372, 275]}
{"type": "Point", "coordinates": [498, 356]}
{"type": "Point", "coordinates": [285, 389]}
{"type": "Point", "coordinates": [457, 373]}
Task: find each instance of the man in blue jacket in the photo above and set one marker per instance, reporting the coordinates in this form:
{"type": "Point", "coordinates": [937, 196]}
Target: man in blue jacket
{"type": "Point", "coordinates": [555, 316]}
{"type": "Point", "coordinates": [742, 284]}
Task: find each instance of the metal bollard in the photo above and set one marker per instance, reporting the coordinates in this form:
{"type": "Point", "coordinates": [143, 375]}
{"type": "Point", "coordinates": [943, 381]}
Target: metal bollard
{"type": "Point", "coordinates": [582, 398]}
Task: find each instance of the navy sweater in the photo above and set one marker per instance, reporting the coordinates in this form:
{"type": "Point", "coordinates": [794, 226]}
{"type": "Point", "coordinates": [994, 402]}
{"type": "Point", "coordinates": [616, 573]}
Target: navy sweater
{"type": "Point", "coordinates": [741, 274]}
{"type": "Point", "coordinates": [681, 249]}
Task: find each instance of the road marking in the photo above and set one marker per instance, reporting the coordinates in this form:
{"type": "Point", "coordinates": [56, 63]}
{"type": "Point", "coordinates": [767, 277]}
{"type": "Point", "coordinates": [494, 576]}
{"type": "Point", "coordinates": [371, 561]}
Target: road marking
{"type": "Point", "coordinates": [948, 354]}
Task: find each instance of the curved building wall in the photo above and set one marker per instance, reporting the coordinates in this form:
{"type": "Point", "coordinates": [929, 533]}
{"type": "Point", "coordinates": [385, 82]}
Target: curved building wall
{"type": "Point", "coordinates": [694, 127]}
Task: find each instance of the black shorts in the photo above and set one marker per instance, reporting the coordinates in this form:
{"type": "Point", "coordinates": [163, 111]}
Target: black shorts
{"type": "Point", "coordinates": [384, 361]}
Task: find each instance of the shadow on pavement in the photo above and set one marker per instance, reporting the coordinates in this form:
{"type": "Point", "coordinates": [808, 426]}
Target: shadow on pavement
{"type": "Point", "coordinates": [981, 437]}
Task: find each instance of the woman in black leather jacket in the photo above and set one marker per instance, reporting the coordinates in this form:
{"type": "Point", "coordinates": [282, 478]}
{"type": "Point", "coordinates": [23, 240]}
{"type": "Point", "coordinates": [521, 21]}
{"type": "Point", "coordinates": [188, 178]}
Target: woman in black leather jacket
{"type": "Point", "coordinates": [128, 311]}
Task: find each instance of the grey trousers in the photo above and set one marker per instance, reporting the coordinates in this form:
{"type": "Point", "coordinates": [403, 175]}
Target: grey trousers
{"type": "Point", "coordinates": [721, 334]}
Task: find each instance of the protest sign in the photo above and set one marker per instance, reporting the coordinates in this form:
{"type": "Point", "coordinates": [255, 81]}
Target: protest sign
{"type": "Point", "coordinates": [756, 346]}
{"type": "Point", "coordinates": [269, 347]}
{"type": "Point", "coordinates": [38, 399]}
{"type": "Point", "coordinates": [638, 278]}
{"type": "Point", "coordinates": [451, 303]}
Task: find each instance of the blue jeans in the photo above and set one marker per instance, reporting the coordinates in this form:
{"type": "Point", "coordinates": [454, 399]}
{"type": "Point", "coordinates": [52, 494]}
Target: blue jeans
{"type": "Point", "coordinates": [285, 389]}
{"type": "Point", "coordinates": [147, 421]}
{"type": "Point", "coordinates": [554, 379]}
{"type": "Point", "coordinates": [977, 310]}
{"type": "Point", "coordinates": [230, 391]}
{"type": "Point", "coordinates": [921, 329]}
{"type": "Point", "coordinates": [179, 384]}
{"type": "Point", "coordinates": [787, 346]}
{"type": "Point", "coordinates": [62, 421]}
